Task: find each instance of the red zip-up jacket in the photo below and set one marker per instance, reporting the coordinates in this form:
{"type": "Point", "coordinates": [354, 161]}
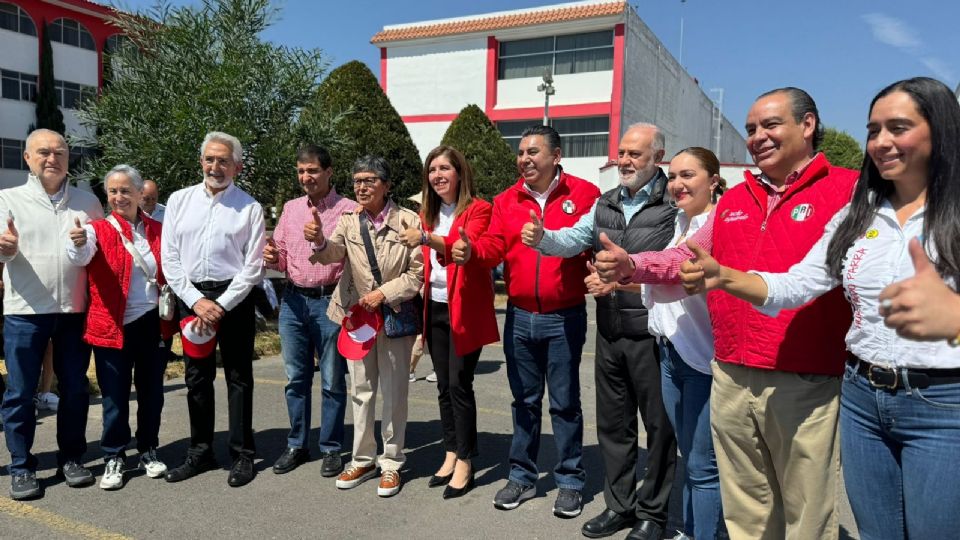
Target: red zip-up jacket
{"type": "Point", "coordinates": [535, 282]}
{"type": "Point", "coordinates": [809, 339]}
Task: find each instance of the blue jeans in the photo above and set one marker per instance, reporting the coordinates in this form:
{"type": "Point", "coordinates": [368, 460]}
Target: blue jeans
{"type": "Point", "coordinates": [305, 328]}
{"type": "Point", "coordinates": [900, 458]}
{"type": "Point", "coordinates": [686, 397]}
{"type": "Point", "coordinates": [25, 339]}
{"type": "Point", "coordinates": [545, 348]}
{"type": "Point", "coordinates": [142, 361]}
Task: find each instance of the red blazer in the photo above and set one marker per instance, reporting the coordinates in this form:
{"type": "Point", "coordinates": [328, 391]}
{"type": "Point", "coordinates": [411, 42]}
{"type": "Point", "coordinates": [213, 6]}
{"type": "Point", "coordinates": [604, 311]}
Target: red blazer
{"type": "Point", "coordinates": [473, 322]}
{"type": "Point", "coordinates": [108, 278]}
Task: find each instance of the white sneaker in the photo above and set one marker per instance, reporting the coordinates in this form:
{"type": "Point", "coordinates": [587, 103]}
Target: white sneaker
{"type": "Point", "coordinates": [413, 377]}
{"type": "Point", "coordinates": [112, 474]}
{"type": "Point", "coordinates": [47, 401]}
{"type": "Point", "coordinates": [150, 463]}
{"type": "Point", "coordinates": [432, 377]}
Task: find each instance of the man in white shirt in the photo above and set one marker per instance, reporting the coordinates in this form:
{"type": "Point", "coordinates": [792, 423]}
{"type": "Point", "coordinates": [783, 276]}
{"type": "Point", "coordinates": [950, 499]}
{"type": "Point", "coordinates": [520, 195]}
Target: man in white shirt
{"type": "Point", "coordinates": [212, 257]}
{"type": "Point", "coordinates": [45, 299]}
{"type": "Point", "coordinates": [150, 201]}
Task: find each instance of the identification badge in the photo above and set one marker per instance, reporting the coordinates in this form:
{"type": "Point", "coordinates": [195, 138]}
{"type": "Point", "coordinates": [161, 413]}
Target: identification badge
{"type": "Point", "coordinates": [568, 206]}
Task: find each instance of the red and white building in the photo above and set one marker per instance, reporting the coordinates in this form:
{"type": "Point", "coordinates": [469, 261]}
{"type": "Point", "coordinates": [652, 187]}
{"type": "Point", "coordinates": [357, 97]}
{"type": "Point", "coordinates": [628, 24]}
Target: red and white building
{"type": "Point", "coordinates": [609, 72]}
{"type": "Point", "coordinates": [79, 35]}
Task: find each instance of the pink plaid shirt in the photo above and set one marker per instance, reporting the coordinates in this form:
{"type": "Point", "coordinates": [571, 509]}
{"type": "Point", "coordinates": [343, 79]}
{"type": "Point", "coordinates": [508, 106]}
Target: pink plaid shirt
{"type": "Point", "coordinates": [295, 251]}
{"type": "Point", "coordinates": [659, 267]}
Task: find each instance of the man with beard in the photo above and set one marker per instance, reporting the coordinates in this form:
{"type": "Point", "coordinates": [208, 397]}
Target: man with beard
{"type": "Point", "coordinates": [212, 257]}
{"type": "Point", "coordinates": [635, 216]}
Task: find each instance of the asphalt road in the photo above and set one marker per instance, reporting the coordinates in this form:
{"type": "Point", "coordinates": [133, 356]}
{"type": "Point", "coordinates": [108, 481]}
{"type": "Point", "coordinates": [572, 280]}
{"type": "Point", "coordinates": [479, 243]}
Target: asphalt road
{"type": "Point", "coordinates": [302, 504]}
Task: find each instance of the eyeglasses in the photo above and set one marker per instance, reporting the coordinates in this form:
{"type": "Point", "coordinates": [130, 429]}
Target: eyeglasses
{"type": "Point", "coordinates": [369, 181]}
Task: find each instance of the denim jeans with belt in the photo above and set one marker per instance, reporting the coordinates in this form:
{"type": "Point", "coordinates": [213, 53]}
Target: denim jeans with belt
{"type": "Point", "coordinates": [25, 339]}
{"type": "Point", "coordinates": [304, 328]}
{"type": "Point", "coordinates": [686, 397]}
{"type": "Point", "coordinates": [544, 349]}
{"type": "Point", "coordinates": [901, 458]}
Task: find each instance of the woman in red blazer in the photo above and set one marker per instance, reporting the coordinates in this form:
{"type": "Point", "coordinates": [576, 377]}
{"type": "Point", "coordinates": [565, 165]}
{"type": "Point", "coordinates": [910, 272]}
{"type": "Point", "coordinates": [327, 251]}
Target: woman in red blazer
{"type": "Point", "coordinates": [458, 307]}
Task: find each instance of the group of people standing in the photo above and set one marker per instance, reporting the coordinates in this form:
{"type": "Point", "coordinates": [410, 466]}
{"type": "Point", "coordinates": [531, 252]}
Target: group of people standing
{"type": "Point", "coordinates": [811, 312]}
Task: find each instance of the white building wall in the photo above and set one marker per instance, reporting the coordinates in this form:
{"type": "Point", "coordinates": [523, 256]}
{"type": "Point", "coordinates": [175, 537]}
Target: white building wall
{"type": "Point", "coordinates": [75, 65]}
{"type": "Point", "coordinates": [437, 78]}
{"type": "Point", "coordinates": [16, 118]}
{"type": "Point", "coordinates": [585, 167]}
{"type": "Point", "coordinates": [20, 52]}
{"type": "Point", "coordinates": [427, 135]}
{"type": "Point", "coordinates": [572, 89]}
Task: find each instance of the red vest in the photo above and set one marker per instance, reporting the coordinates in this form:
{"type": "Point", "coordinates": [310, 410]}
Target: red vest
{"type": "Point", "coordinates": [809, 339]}
{"type": "Point", "coordinates": [473, 322]}
{"type": "Point", "coordinates": [108, 279]}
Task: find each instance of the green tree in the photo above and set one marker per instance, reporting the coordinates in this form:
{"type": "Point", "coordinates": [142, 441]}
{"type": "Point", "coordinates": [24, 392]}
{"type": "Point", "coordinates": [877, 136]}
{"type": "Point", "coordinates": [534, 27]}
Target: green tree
{"type": "Point", "coordinates": [494, 165]}
{"type": "Point", "coordinates": [49, 115]}
{"type": "Point", "coordinates": [841, 149]}
{"type": "Point", "coordinates": [195, 70]}
{"type": "Point", "coordinates": [369, 125]}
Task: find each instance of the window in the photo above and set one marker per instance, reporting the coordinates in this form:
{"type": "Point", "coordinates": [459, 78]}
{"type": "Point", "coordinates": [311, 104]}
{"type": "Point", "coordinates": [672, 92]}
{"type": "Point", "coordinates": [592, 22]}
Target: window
{"type": "Point", "coordinates": [70, 95]}
{"type": "Point", "coordinates": [19, 86]}
{"type": "Point", "coordinates": [70, 32]}
{"type": "Point", "coordinates": [579, 137]}
{"type": "Point", "coordinates": [573, 53]}
{"type": "Point", "coordinates": [79, 155]}
{"type": "Point", "coordinates": [114, 43]}
{"type": "Point", "coordinates": [15, 19]}
{"type": "Point", "coordinates": [11, 154]}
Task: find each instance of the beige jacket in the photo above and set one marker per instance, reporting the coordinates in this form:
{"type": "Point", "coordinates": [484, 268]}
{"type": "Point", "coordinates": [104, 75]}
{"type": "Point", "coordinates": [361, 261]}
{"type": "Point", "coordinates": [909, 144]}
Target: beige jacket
{"type": "Point", "coordinates": [400, 266]}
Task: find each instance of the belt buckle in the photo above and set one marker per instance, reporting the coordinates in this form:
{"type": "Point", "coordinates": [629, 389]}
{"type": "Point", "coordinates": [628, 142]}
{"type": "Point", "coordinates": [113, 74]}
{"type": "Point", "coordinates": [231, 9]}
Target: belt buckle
{"type": "Point", "coordinates": [876, 384]}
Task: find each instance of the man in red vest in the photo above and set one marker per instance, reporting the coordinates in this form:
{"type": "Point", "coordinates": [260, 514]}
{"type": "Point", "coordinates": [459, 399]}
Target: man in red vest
{"type": "Point", "coordinates": [775, 396]}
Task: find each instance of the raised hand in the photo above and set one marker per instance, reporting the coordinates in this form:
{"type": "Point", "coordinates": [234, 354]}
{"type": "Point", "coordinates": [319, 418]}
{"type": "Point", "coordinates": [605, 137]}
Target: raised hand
{"type": "Point", "coordinates": [532, 231]}
{"type": "Point", "coordinates": [78, 235]}
{"type": "Point", "coordinates": [313, 230]}
{"type": "Point", "coordinates": [461, 250]}
{"type": "Point", "coordinates": [10, 240]}
{"type": "Point", "coordinates": [922, 307]}
{"type": "Point", "coordinates": [411, 237]}
{"type": "Point", "coordinates": [595, 285]}
{"type": "Point", "coordinates": [701, 273]}
{"type": "Point", "coordinates": [271, 253]}
{"type": "Point", "coordinates": [613, 263]}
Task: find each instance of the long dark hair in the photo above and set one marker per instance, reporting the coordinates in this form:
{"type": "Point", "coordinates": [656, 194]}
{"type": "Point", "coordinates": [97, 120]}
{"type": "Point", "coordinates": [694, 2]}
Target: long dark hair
{"type": "Point", "coordinates": [466, 192]}
{"type": "Point", "coordinates": [941, 223]}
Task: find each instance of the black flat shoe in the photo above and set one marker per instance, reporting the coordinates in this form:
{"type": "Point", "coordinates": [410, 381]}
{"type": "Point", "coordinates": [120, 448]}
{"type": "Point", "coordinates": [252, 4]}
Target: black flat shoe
{"type": "Point", "coordinates": [451, 492]}
{"type": "Point", "coordinates": [437, 481]}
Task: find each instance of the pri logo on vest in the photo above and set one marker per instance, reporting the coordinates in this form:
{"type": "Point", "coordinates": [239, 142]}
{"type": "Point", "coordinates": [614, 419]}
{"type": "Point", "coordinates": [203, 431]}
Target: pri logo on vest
{"type": "Point", "coordinates": [802, 212]}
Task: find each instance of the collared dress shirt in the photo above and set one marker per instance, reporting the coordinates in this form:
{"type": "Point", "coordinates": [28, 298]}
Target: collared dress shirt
{"type": "Point", "coordinates": [213, 238]}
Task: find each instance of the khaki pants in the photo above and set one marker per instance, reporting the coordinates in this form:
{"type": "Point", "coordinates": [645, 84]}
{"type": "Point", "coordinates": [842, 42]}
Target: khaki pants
{"type": "Point", "coordinates": [386, 366]}
{"type": "Point", "coordinates": [778, 452]}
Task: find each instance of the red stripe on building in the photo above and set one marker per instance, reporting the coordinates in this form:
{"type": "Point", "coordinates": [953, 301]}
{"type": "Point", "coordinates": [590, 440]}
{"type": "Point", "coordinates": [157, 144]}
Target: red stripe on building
{"type": "Point", "coordinates": [420, 118]}
{"type": "Point", "coordinates": [556, 111]}
{"type": "Point", "coordinates": [616, 98]}
{"type": "Point", "coordinates": [383, 69]}
{"type": "Point", "coordinates": [492, 67]}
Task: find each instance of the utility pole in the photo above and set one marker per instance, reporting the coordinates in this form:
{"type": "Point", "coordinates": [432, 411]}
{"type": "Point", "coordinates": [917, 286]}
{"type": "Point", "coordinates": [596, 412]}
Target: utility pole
{"type": "Point", "coordinates": [718, 108]}
{"type": "Point", "coordinates": [548, 90]}
{"type": "Point", "coordinates": [680, 58]}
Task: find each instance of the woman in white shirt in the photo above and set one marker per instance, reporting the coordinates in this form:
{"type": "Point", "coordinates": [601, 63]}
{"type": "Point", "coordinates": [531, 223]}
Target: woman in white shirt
{"type": "Point", "coordinates": [684, 334]}
{"type": "Point", "coordinates": [123, 323]}
{"type": "Point", "coordinates": [900, 400]}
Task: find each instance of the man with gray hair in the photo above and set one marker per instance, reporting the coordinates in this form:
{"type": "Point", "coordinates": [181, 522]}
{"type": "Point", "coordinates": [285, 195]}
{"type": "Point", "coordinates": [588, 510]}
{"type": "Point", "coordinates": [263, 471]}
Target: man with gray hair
{"type": "Point", "coordinates": [636, 216]}
{"type": "Point", "coordinates": [212, 257]}
{"type": "Point", "coordinates": [45, 299]}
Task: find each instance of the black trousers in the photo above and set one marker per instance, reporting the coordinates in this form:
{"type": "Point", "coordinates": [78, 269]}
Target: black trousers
{"type": "Point", "coordinates": [627, 379]}
{"type": "Point", "coordinates": [235, 339]}
{"type": "Point", "coordinates": [458, 403]}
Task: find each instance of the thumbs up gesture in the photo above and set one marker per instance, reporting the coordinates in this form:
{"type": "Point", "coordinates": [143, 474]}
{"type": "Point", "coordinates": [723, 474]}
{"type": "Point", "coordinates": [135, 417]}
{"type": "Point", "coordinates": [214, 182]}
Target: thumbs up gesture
{"type": "Point", "coordinates": [271, 254]}
{"type": "Point", "coordinates": [700, 273]}
{"type": "Point", "coordinates": [595, 285]}
{"type": "Point", "coordinates": [532, 231]}
{"type": "Point", "coordinates": [922, 307]}
{"type": "Point", "coordinates": [78, 235]}
{"type": "Point", "coordinates": [10, 240]}
{"type": "Point", "coordinates": [313, 230]}
{"type": "Point", "coordinates": [613, 263]}
{"type": "Point", "coordinates": [461, 250]}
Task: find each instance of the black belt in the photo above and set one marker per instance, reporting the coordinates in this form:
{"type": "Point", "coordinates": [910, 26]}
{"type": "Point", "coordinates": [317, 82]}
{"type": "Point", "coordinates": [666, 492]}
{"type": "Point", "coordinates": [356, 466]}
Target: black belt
{"type": "Point", "coordinates": [891, 378]}
{"type": "Point", "coordinates": [204, 286]}
{"type": "Point", "coordinates": [315, 292]}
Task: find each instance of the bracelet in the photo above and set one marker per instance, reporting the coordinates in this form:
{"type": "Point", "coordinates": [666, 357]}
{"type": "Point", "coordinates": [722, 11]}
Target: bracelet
{"type": "Point", "coordinates": [424, 238]}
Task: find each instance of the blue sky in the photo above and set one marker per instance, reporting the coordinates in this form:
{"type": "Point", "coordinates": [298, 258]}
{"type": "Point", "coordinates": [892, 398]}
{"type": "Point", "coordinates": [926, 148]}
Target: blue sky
{"type": "Point", "coordinates": [841, 51]}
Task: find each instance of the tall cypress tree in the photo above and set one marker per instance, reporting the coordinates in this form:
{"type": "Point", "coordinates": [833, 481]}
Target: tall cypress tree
{"type": "Point", "coordinates": [49, 115]}
{"type": "Point", "coordinates": [493, 163]}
